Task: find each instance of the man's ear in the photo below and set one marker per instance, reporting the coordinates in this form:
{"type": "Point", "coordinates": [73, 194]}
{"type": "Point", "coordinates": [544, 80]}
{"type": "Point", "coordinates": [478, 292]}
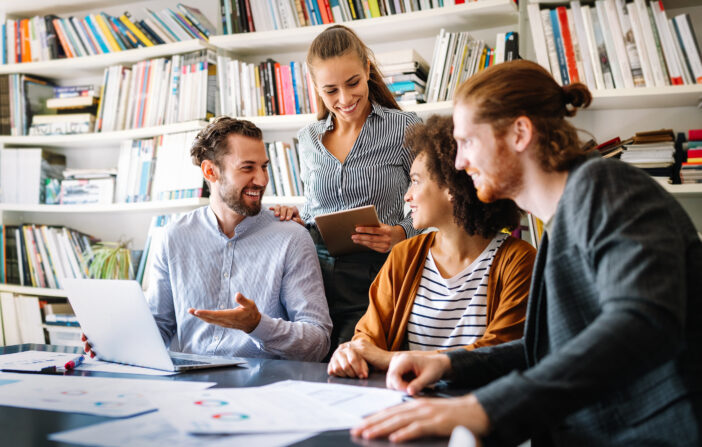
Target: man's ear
{"type": "Point", "coordinates": [522, 133]}
{"type": "Point", "coordinates": [209, 171]}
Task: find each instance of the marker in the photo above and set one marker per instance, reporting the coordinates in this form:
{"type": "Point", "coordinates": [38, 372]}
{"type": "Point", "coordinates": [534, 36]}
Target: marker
{"type": "Point", "coordinates": [71, 364]}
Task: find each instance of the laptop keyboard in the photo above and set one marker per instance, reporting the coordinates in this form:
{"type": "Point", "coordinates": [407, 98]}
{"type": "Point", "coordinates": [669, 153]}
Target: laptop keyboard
{"type": "Point", "coordinates": [185, 362]}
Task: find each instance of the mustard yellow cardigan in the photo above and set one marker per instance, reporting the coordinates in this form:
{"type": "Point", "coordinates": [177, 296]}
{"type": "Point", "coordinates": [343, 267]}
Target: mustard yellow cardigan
{"type": "Point", "coordinates": [391, 295]}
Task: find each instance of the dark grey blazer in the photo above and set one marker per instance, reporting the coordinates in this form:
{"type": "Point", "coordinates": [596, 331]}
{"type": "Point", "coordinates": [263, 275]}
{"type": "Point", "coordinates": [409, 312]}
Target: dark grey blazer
{"type": "Point", "coordinates": [612, 348]}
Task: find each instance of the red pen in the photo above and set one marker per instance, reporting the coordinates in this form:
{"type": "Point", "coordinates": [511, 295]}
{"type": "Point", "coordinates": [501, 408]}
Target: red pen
{"type": "Point", "coordinates": [71, 364]}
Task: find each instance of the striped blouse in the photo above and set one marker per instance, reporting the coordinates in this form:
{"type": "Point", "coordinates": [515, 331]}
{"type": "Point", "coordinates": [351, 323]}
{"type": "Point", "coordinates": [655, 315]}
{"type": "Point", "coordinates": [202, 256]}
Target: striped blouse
{"type": "Point", "coordinates": [376, 171]}
{"type": "Point", "coordinates": [451, 312]}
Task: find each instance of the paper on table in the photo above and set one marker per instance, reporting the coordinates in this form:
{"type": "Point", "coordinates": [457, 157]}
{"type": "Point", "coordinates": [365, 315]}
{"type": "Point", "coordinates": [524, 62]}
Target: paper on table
{"type": "Point", "coordinates": [33, 361]}
{"type": "Point", "coordinates": [356, 400]}
{"type": "Point", "coordinates": [153, 429]}
{"type": "Point", "coordinates": [249, 410]}
{"type": "Point", "coordinates": [101, 396]}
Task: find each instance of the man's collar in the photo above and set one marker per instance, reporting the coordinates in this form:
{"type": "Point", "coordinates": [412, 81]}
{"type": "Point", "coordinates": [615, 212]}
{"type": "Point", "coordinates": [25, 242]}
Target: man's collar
{"type": "Point", "coordinates": [241, 228]}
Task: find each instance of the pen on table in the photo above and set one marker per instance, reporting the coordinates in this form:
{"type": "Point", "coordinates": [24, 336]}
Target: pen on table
{"type": "Point", "coordinates": [71, 364]}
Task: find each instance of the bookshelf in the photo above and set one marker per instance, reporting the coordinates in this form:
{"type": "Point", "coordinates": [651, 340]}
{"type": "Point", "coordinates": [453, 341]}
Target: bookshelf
{"type": "Point", "coordinates": [625, 111]}
{"type": "Point", "coordinates": [66, 69]}
{"type": "Point", "coordinates": [91, 140]}
{"type": "Point", "coordinates": [479, 15]}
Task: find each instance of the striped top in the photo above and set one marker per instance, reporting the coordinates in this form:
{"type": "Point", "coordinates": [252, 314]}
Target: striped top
{"type": "Point", "coordinates": [451, 312]}
{"type": "Point", "coordinates": [271, 262]}
{"type": "Point", "coordinates": [375, 172]}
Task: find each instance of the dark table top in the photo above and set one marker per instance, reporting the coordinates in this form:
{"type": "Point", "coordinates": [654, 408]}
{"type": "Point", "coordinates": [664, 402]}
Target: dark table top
{"type": "Point", "coordinates": [27, 427]}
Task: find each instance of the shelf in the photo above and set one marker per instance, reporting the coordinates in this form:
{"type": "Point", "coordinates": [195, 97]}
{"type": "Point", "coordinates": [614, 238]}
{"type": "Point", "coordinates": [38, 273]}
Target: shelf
{"type": "Point", "coordinates": [284, 200]}
{"type": "Point", "coordinates": [479, 15]}
{"type": "Point", "coordinates": [687, 190]}
{"type": "Point", "coordinates": [296, 122]}
{"type": "Point", "coordinates": [26, 8]}
{"type": "Point", "coordinates": [100, 138]}
{"type": "Point", "coordinates": [69, 67]}
{"type": "Point", "coordinates": [33, 291]}
{"type": "Point", "coordinates": [167, 206]}
{"type": "Point", "coordinates": [154, 207]}
{"type": "Point", "coordinates": [647, 97]}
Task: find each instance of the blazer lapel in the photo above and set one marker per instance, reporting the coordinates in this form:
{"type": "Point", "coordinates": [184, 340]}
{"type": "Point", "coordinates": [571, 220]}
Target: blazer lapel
{"type": "Point", "coordinates": [537, 304]}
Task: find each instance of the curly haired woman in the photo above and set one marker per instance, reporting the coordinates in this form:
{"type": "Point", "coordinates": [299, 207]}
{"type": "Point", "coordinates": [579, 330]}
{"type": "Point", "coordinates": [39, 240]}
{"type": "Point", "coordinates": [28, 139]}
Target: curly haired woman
{"type": "Point", "coordinates": [465, 285]}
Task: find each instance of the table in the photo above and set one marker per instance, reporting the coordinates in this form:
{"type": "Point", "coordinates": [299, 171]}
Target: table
{"type": "Point", "coordinates": [27, 427]}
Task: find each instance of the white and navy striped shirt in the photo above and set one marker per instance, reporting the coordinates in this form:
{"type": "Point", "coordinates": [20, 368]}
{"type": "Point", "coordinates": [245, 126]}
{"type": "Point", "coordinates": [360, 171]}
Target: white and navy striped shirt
{"type": "Point", "coordinates": [451, 312]}
{"type": "Point", "coordinates": [376, 171]}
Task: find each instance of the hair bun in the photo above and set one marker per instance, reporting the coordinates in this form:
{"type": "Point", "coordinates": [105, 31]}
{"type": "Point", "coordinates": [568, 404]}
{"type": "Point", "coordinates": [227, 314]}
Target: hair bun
{"type": "Point", "coordinates": [577, 95]}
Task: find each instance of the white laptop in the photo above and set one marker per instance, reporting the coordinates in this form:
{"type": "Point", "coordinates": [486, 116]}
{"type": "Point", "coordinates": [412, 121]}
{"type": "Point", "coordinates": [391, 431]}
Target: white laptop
{"type": "Point", "coordinates": [115, 317]}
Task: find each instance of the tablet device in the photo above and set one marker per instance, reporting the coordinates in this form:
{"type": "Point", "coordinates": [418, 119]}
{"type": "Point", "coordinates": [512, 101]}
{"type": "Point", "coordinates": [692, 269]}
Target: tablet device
{"type": "Point", "coordinates": [336, 228]}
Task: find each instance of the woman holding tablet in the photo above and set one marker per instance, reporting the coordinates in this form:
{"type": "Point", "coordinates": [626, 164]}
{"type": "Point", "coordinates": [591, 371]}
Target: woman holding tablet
{"type": "Point", "coordinates": [352, 156]}
{"type": "Point", "coordinates": [465, 285]}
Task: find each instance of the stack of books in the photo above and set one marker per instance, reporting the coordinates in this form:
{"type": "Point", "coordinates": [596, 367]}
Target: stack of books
{"type": "Point", "coordinates": [652, 151]}
{"type": "Point", "coordinates": [283, 170]}
{"type": "Point", "coordinates": [614, 147]}
{"type": "Point", "coordinates": [266, 88]}
{"type": "Point", "coordinates": [244, 16]}
{"type": "Point", "coordinates": [158, 91]}
{"type": "Point", "coordinates": [457, 56]}
{"type": "Point", "coordinates": [41, 256]}
{"type": "Point", "coordinates": [87, 186]}
{"type": "Point", "coordinates": [158, 168]}
{"type": "Point", "coordinates": [614, 44]}
{"type": "Point", "coordinates": [405, 73]}
{"type": "Point", "coordinates": [21, 97]}
{"type": "Point", "coordinates": [691, 171]}
{"type": "Point", "coordinates": [52, 37]}
{"type": "Point", "coordinates": [24, 173]}
{"type": "Point", "coordinates": [74, 107]}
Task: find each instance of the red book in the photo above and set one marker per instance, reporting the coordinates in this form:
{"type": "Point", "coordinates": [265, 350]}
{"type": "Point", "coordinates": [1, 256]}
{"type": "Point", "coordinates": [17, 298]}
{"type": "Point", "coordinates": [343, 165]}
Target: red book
{"type": "Point", "coordinates": [322, 11]}
{"type": "Point", "coordinates": [694, 153]}
{"type": "Point", "coordinates": [249, 17]}
{"type": "Point", "coordinates": [612, 142]}
{"type": "Point", "coordinates": [305, 13]}
{"type": "Point", "coordinates": [460, 2]}
{"type": "Point", "coordinates": [327, 7]}
{"type": "Point", "coordinates": [568, 45]}
{"type": "Point", "coordinates": [279, 89]}
{"type": "Point", "coordinates": [694, 135]}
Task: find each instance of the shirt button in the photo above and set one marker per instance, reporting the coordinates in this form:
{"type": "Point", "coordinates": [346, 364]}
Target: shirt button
{"type": "Point", "coordinates": [222, 306]}
{"type": "Point", "coordinates": [226, 275]}
{"type": "Point", "coordinates": [229, 245]}
{"type": "Point", "coordinates": [216, 338]}
{"type": "Point", "coordinates": [339, 191]}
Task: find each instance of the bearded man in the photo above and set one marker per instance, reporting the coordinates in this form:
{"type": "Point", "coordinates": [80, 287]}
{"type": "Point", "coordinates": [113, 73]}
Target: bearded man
{"type": "Point", "coordinates": [230, 279]}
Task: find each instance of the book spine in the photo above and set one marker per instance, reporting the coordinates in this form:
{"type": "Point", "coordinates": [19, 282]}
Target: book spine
{"type": "Point", "coordinates": [564, 27]}
{"type": "Point", "coordinates": [560, 49]}
{"type": "Point", "coordinates": [125, 19]}
{"type": "Point", "coordinates": [102, 23]}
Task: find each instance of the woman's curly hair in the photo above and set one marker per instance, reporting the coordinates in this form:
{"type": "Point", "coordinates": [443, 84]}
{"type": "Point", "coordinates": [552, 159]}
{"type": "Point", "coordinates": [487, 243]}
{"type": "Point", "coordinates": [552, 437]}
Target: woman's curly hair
{"type": "Point", "coordinates": [434, 140]}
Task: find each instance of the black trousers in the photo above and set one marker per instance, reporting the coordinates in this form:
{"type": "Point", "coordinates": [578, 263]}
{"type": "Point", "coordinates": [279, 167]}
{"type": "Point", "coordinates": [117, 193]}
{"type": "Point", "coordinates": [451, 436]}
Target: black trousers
{"type": "Point", "coordinates": [347, 279]}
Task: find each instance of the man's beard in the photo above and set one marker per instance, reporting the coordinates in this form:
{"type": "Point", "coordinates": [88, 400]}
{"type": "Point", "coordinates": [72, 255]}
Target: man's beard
{"type": "Point", "coordinates": [503, 182]}
{"type": "Point", "coordinates": [236, 201]}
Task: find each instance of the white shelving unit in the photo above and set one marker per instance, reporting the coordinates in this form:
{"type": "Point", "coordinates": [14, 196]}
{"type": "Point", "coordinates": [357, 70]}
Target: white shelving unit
{"type": "Point", "coordinates": [60, 69]}
{"type": "Point", "coordinates": [91, 140]}
{"type": "Point", "coordinates": [624, 111]}
{"type": "Point", "coordinates": [478, 15]}
{"type": "Point", "coordinates": [22, 290]}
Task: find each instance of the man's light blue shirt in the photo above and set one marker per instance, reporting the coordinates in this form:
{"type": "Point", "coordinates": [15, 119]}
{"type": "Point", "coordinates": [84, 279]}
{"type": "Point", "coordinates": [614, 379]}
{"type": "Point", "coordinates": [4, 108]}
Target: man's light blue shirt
{"type": "Point", "coordinates": [270, 262]}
